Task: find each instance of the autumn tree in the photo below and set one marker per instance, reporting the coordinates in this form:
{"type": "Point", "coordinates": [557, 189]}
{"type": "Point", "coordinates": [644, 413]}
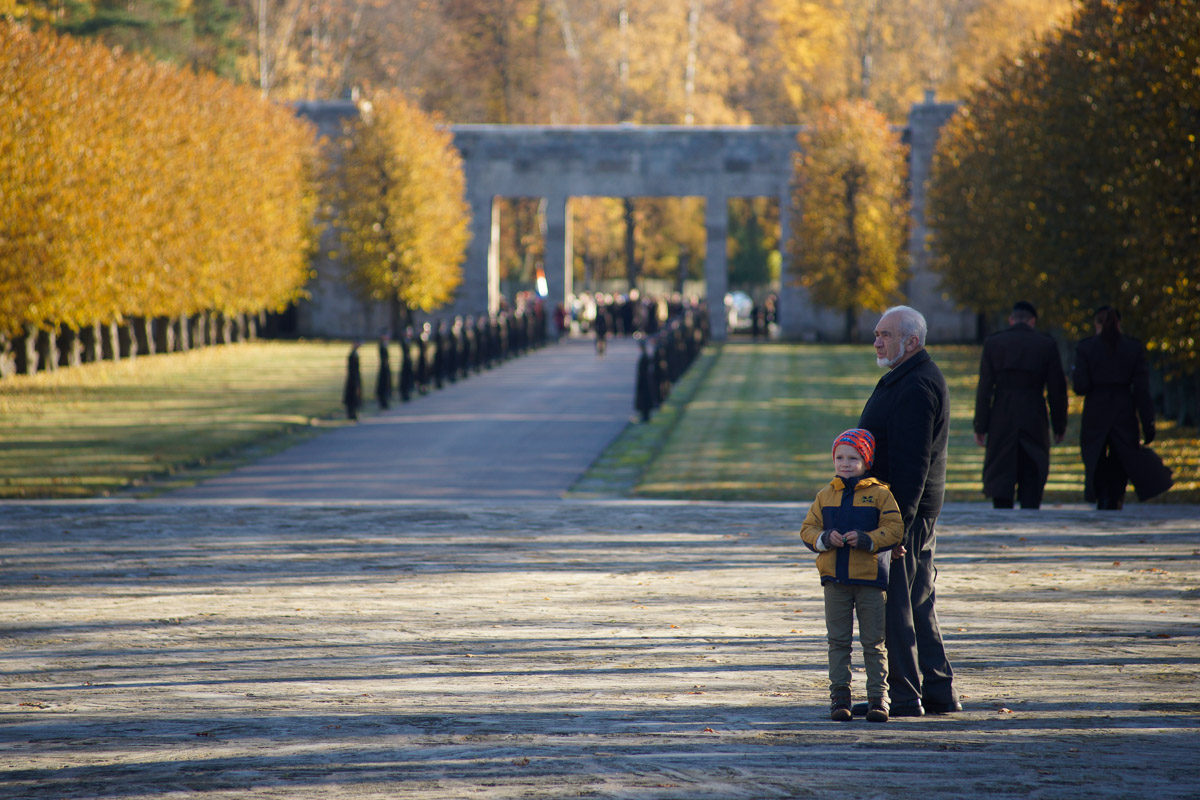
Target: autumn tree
{"type": "Point", "coordinates": [400, 208]}
{"type": "Point", "coordinates": [135, 190]}
{"type": "Point", "coordinates": [850, 216]}
{"type": "Point", "coordinates": [891, 51]}
{"type": "Point", "coordinates": [1071, 177]}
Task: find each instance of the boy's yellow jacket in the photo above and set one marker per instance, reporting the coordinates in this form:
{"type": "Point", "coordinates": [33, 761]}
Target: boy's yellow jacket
{"type": "Point", "coordinates": [867, 508]}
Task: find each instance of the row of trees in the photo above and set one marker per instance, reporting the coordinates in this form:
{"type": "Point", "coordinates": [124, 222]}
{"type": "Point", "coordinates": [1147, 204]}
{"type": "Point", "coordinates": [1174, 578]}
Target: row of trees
{"type": "Point", "coordinates": [1071, 178]}
{"type": "Point", "coordinates": [144, 202]}
{"type": "Point", "coordinates": [133, 189]}
{"type": "Point", "coordinates": [698, 62]}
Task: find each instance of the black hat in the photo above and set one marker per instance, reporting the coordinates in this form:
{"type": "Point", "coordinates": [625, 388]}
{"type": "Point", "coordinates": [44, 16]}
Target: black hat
{"type": "Point", "coordinates": [1026, 306]}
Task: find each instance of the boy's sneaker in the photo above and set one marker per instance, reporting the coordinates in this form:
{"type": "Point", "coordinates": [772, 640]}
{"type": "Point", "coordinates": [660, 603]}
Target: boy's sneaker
{"type": "Point", "coordinates": [839, 708]}
{"type": "Point", "coordinates": [877, 711]}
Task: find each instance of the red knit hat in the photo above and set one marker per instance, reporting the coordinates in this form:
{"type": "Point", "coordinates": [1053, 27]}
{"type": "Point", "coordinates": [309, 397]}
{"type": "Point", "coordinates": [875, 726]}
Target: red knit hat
{"type": "Point", "coordinates": [861, 440]}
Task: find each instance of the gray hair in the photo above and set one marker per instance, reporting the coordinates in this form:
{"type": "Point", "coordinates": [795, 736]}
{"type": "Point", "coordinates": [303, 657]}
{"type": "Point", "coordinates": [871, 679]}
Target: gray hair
{"type": "Point", "coordinates": [912, 323]}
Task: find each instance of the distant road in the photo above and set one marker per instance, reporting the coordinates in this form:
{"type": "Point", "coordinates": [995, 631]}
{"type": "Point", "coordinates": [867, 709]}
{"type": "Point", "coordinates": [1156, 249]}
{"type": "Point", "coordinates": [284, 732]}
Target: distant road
{"type": "Point", "coordinates": [525, 429]}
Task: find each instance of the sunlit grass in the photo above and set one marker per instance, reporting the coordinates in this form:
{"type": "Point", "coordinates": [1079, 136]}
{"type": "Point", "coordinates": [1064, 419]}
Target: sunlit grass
{"type": "Point", "coordinates": [100, 427]}
{"type": "Point", "coordinates": [761, 423]}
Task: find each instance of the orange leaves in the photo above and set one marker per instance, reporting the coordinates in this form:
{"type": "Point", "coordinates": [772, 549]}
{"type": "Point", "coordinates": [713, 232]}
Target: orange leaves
{"type": "Point", "coordinates": [400, 205]}
{"type": "Point", "coordinates": [141, 189]}
{"type": "Point", "coordinates": [850, 220]}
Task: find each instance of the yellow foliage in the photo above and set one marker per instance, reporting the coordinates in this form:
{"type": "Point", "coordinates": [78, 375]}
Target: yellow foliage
{"type": "Point", "coordinates": [850, 215]}
{"type": "Point", "coordinates": [139, 189]}
{"type": "Point", "coordinates": [401, 208]}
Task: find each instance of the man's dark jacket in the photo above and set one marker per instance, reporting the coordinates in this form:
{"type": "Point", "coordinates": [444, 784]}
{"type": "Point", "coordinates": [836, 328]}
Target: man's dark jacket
{"type": "Point", "coordinates": [1020, 370]}
{"type": "Point", "coordinates": [909, 416]}
{"type": "Point", "coordinates": [1116, 391]}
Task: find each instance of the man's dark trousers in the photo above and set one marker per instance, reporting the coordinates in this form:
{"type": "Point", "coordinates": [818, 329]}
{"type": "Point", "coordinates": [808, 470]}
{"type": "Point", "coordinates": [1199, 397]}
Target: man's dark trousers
{"type": "Point", "coordinates": [917, 663]}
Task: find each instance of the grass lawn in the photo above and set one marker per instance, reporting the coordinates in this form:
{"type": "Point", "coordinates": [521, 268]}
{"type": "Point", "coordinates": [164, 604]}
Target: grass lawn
{"type": "Point", "coordinates": [747, 422]}
{"type": "Point", "coordinates": [95, 429]}
{"type": "Point", "coordinates": [760, 426]}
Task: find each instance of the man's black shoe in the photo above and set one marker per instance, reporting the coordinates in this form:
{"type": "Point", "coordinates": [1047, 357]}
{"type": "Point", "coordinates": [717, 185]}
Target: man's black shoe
{"type": "Point", "coordinates": [941, 708]}
{"type": "Point", "coordinates": [914, 710]}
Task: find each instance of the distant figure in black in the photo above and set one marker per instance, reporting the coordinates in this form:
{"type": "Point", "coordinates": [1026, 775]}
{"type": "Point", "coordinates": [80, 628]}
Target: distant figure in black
{"type": "Point", "coordinates": [601, 326]}
{"type": "Point", "coordinates": [407, 376]}
{"type": "Point", "coordinates": [644, 393]}
{"type": "Point", "coordinates": [1019, 371]}
{"type": "Point", "coordinates": [352, 392]}
{"type": "Point", "coordinates": [383, 385]}
{"type": "Point", "coordinates": [1111, 374]}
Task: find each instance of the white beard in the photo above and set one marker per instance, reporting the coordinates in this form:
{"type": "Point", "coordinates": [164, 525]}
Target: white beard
{"type": "Point", "coordinates": [887, 363]}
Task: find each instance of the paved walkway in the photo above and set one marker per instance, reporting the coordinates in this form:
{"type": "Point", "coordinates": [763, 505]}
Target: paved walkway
{"type": "Point", "coordinates": [551, 649]}
{"type": "Point", "coordinates": [407, 609]}
{"type": "Point", "coordinates": [526, 429]}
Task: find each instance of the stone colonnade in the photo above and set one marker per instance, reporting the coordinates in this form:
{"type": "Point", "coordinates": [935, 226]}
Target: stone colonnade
{"type": "Point", "coordinates": [556, 163]}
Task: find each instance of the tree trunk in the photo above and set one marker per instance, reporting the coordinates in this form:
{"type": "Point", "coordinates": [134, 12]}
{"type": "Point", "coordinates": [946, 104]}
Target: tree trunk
{"type": "Point", "coordinates": [128, 339]}
{"type": "Point", "coordinates": [8, 361]}
{"type": "Point", "coordinates": [141, 335]}
{"type": "Point", "coordinates": [89, 335]}
{"type": "Point", "coordinates": [31, 350]}
{"type": "Point", "coordinates": [70, 347]}
{"type": "Point", "coordinates": [112, 342]}
{"type": "Point", "coordinates": [47, 344]}
{"type": "Point", "coordinates": [164, 335]}
{"type": "Point", "coordinates": [226, 334]}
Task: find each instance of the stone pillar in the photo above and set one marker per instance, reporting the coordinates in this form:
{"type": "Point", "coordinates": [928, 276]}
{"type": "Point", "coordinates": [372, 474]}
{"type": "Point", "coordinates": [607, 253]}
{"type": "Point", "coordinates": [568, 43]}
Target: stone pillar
{"type": "Point", "coordinates": [946, 323]}
{"type": "Point", "coordinates": [716, 262]}
{"type": "Point", "coordinates": [559, 257]}
{"type": "Point", "coordinates": [480, 288]}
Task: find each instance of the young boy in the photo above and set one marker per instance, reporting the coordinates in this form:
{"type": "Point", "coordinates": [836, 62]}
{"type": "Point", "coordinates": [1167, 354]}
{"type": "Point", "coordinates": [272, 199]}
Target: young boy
{"type": "Point", "coordinates": [852, 526]}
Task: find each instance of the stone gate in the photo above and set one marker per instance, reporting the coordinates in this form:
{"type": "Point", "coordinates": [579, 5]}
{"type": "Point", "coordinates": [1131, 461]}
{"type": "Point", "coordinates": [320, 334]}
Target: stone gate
{"type": "Point", "coordinates": [556, 163]}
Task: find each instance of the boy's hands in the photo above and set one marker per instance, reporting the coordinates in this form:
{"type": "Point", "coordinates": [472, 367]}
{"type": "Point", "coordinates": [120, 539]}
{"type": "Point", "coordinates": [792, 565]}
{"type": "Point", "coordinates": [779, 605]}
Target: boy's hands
{"type": "Point", "coordinates": [847, 539]}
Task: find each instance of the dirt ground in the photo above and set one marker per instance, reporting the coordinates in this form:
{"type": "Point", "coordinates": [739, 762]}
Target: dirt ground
{"type": "Point", "coordinates": [553, 649]}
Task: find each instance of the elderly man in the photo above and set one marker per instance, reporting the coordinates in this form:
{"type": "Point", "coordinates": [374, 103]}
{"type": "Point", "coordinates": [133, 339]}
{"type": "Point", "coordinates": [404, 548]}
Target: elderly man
{"type": "Point", "coordinates": [1020, 370]}
{"type": "Point", "coordinates": [909, 416]}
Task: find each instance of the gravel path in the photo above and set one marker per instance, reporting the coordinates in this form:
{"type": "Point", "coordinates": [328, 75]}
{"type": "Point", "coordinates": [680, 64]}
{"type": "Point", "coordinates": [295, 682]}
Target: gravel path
{"type": "Point", "coordinates": [524, 429]}
{"type": "Point", "coordinates": [551, 648]}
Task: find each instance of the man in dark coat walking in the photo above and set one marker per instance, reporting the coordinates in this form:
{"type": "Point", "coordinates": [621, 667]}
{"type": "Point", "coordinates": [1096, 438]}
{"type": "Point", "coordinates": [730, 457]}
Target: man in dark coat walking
{"type": "Point", "coordinates": [1019, 371]}
{"type": "Point", "coordinates": [1111, 375]}
{"type": "Point", "coordinates": [909, 416]}
{"type": "Point", "coordinates": [352, 390]}
{"type": "Point", "coordinates": [383, 384]}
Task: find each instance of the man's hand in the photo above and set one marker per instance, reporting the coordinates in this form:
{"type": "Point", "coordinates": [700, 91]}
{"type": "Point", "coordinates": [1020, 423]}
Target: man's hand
{"type": "Point", "coordinates": [898, 552]}
{"type": "Point", "coordinates": [981, 439]}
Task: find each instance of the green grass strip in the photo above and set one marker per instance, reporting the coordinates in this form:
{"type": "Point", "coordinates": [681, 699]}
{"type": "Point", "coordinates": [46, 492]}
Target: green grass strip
{"type": "Point", "coordinates": [761, 424]}
{"type": "Point", "coordinates": [746, 422]}
{"type": "Point", "coordinates": [173, 419]}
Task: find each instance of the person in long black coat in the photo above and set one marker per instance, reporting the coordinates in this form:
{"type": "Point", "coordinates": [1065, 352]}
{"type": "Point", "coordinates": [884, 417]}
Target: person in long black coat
{"type": "Point", "coordinates": [407, 373]}
{"type": "Point", "coordinates": [383, 384]}
{"type": "Point", "coordinates": [908, 413]}
{"type": "Point", "coordinates": [352, 390]}
{"type": "Point", "coordinates": [1110, 373]}
{"type": "Point", "coordinates": [1019, 371]}
{"type": "Point", "coordinates": [644, 399]}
